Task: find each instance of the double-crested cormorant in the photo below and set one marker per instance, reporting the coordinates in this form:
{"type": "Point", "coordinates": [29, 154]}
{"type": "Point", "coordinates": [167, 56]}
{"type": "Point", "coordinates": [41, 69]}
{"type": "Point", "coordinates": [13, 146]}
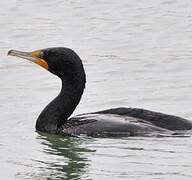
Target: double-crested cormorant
{"type": "Point", "coordinates": [67, 65]}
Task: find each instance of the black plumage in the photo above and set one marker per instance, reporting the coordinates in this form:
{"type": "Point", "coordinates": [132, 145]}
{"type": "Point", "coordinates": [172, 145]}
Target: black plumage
{"type": "Point", "coordinates": [67, 65]}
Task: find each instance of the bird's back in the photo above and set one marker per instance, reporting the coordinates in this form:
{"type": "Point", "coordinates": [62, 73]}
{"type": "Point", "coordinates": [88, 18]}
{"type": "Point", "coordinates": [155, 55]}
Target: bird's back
{"type": "Point", "coordinates": [124, 122]}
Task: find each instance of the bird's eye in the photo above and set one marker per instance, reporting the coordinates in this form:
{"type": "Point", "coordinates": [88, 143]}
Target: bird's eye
{"type": "Point", "coordinates": [41, 54]}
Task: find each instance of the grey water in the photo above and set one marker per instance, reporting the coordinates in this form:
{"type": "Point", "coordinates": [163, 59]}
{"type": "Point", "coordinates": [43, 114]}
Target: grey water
{"type": "Point", "coordinates": [135, 53]}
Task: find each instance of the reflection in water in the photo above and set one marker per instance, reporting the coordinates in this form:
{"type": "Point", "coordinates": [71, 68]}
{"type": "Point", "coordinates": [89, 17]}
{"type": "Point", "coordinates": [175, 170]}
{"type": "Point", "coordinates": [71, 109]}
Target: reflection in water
{"type": "Point", "coordinates": [75, 163]}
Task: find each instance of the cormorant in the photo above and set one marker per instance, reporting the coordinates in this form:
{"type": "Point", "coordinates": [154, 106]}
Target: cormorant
{"type": "Point", "coordinates": [67, 65]}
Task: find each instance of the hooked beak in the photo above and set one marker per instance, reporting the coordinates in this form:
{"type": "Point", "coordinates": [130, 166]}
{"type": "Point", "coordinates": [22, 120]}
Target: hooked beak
{"type": "Point", "coordinates": [31, 56]}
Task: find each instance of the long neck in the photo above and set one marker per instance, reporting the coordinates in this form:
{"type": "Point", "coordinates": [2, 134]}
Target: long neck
{"type": "Point", "coordinates": [58, 111]}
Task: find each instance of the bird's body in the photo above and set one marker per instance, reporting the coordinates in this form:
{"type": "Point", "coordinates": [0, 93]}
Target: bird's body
{"type": "Point", "coordinates": [67, 65]}
{"type": "Point", "coordinates": [121, 122]}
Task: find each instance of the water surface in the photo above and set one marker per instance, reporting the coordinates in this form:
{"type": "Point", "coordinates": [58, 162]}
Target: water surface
{"type": "Point", "coordinates": [136, 54]}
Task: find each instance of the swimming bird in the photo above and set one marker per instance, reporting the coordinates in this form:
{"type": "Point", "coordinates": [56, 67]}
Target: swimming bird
{"type": "Point", "coordinates": [123, 121]}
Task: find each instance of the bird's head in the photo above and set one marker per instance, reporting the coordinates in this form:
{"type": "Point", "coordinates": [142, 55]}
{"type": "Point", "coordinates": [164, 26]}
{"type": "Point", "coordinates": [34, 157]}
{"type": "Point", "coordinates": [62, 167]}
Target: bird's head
{"type": "Point", "coordinates": [60, 61]}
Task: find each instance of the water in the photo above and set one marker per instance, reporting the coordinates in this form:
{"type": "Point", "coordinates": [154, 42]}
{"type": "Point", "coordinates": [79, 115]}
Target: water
{"type": "Point", "coordinates": [136, 54]}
